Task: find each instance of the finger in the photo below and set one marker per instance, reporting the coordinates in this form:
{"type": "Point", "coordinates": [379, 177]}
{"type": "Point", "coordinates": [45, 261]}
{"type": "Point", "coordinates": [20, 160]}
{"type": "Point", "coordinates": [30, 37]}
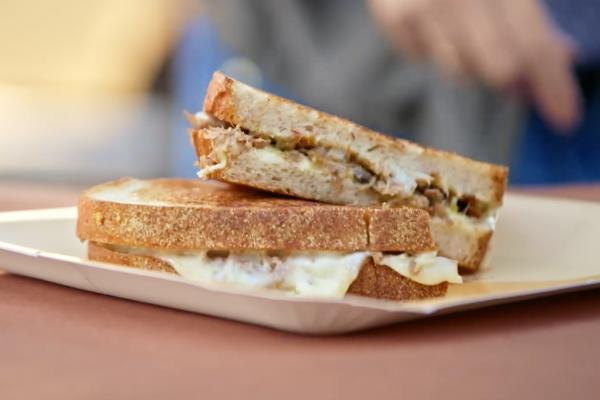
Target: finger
{"type": "Point", "coordinates": [547, 62]}
{"type": "Point", "coordinates": [555, 91]}
{"type": "Point", "coordinates": [485, 48]}
{"type": "Point", "coordinates": [397, 19]}
{"type": "Point", "coordinates": [440, 43]}
{"type": "Point", "coordinates": [409, 39]}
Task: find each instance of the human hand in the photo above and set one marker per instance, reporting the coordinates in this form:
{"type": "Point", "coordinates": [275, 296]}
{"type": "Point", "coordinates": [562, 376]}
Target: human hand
{"type": "Point", "coordinates": [509, 44]}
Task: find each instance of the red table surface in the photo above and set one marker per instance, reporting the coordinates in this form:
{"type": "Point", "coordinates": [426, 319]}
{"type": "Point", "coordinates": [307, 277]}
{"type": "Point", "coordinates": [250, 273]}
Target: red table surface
{"type": "Point", "coordinates": [62, 343]}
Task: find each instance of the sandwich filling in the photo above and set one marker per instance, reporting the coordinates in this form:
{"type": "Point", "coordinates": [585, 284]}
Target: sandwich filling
{"type": "Point", "coordinates": [387, 184]}
{"type": "Point", "coordinates": [327, 274]}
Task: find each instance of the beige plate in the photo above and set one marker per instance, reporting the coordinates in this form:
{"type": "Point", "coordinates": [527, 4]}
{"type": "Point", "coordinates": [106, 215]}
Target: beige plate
{"type": "Point", "coordinates": [542, 247]}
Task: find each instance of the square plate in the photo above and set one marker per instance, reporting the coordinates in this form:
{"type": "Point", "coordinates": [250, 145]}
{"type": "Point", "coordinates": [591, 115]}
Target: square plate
{"type": "Point", "coordinates": [541, 247]}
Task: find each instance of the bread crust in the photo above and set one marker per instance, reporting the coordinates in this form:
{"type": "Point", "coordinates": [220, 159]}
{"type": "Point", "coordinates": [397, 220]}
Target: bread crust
{"type": "Point", "coordinates": [375, 281]}
{"type": "Point", "coordinates": [381, 282]}
{"type": "Point", "coordinates": [465, 244]}
{"type": "Point", "coordinates": [218, 99]}
{"type": "Point", "coordinates": [173, 214]}
{"type": "Point", "coordinates": [227, 99]}
{"type": "Point", "coordinates": [97, 252]}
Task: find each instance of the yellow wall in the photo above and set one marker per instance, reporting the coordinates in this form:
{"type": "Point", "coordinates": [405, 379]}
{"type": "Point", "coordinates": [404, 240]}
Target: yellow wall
{"type": "Point", "coordinates": [86, 45]}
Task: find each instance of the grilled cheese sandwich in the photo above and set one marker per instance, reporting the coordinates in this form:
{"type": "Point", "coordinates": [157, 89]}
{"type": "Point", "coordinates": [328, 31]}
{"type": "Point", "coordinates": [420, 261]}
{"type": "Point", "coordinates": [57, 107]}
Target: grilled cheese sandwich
{"type": "Point", "coordinates": [216, 233]}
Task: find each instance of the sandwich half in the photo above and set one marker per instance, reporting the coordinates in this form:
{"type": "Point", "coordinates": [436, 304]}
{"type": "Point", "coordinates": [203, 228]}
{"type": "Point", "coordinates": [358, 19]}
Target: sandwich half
{"type": "Point", "coordinates": [215, 233]}
{"type": "Point", "coordinates": [249, 137]}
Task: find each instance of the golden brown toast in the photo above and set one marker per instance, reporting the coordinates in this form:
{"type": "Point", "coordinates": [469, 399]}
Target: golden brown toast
{"type": "Point", "coordinates": [174, 214]}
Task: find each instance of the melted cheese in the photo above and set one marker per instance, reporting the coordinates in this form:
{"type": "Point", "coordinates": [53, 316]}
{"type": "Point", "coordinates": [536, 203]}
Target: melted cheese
{"type": "Point", "coordinates": [323, 274]}
{"type": "Point", "coordinates": [201, 120]}
{"type": "Point", "coordinates": [307, 274]}
{"type": "Point", "coordinates": [270, 155]}
{"type": "Point", "coordinates": [403, 181]}
{"type": "Point", "coordinates": [487, 222]}
{"type": "Point", "coordinates": [275, 157]}
{"type": "Point", "coordinates": [205, 172]}
{"type": "Point", "coordinates": [424, 268]}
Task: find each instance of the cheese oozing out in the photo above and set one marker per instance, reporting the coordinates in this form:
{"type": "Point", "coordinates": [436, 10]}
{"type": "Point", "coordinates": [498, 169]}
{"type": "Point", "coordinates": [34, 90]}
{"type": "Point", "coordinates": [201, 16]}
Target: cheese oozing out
{"type": "Point", "coordinates": [322, 274]}
{"type": "Point", "coordinates": [317, 274]}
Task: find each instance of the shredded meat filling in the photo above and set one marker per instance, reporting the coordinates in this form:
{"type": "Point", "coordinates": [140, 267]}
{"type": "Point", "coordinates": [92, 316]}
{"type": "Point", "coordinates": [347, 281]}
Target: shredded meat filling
{"type": "Point", "coordinates": [362, 176]}
{"type": "Point", "coordinates": [344, 165]}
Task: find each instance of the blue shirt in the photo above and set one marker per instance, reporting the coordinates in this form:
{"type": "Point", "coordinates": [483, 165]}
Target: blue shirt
{"type": "Point", "coordinates": [544, 156]}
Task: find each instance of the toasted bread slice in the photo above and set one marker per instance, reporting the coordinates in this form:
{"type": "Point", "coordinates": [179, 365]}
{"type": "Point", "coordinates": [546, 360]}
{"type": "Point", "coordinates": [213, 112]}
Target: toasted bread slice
{"type": "Point", "coordinates": [179, 215]}
{"type": "Point", "coordinates": [375, 281]}
{"type": "Point", "coordinates": [271, 116]}
{"type": "Point", "coordinates": [260, 140]}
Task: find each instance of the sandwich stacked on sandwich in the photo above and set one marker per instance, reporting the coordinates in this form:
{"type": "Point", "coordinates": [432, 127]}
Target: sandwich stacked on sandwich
{"type": "Point", "coordinates": [217, 233]}
{"type": "Point", "coordinates": [249, 137]}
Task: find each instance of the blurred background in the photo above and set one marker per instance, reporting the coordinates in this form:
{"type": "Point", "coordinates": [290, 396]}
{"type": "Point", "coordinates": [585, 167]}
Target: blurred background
{"type": "Point", "coordinates": [84, 90]}
{"type": "Point", "coordinates": [95, 90]}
